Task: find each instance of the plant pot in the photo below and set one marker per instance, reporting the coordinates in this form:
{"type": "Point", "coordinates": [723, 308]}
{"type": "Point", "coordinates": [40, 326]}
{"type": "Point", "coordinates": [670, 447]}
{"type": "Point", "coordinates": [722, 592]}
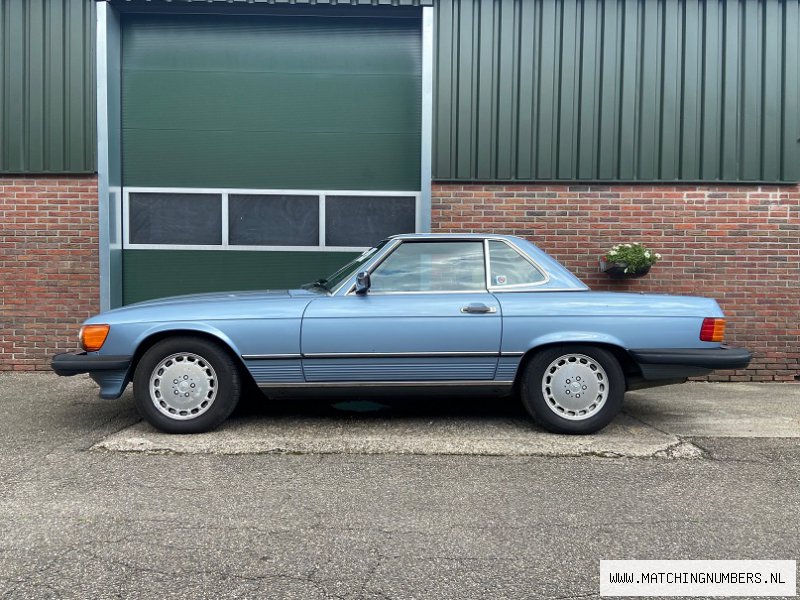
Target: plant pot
{"type": "Point", "coordinates": [617, 270]}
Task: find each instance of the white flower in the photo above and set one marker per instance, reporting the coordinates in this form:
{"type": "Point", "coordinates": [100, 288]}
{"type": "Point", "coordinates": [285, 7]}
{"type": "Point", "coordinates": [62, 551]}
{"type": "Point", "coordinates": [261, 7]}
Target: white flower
{"type": "Point", "coordinates": [658, 255]}
{"type": "Point", "coordinates": [627, 245]}
{"type": "Point", "coordinates": [646, 254]}
{"type": "Point", "coordinates": [626, 270]}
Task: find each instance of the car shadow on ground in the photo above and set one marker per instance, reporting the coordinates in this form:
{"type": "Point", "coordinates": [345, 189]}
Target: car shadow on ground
{"type": "Point", "coordinates": [366, 407]}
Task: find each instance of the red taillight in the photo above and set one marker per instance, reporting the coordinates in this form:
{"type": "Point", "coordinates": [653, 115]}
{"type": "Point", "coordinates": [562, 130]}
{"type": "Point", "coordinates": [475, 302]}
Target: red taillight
{"type": "Point", "coordinates": [712, 330]}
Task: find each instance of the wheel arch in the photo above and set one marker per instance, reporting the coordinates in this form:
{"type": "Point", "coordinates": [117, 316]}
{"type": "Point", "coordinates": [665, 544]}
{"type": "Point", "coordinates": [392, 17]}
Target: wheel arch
{"type": "Point", "coordinates": [630, 368]}
{"type": "Point", "coordinates": [152, 337]}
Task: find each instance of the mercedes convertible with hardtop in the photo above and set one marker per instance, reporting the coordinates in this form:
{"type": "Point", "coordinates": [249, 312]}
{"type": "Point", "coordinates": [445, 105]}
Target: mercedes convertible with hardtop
{"type": "Point", "coordinates": [416, 314]}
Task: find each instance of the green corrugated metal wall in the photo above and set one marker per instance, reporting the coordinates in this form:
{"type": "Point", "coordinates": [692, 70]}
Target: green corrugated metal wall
{"type": "Point", "coordinates": [617, 90]}
{"type": "Point", "coordinates": [47, 99]}
{"type": "Point", "coordinates": [526, 89]}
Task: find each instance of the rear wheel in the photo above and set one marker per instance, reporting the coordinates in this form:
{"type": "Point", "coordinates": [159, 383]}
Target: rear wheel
{"type": "Point", "coordinates": [186, 385]}
{"type": "Point", "coordinates": [573, 389]}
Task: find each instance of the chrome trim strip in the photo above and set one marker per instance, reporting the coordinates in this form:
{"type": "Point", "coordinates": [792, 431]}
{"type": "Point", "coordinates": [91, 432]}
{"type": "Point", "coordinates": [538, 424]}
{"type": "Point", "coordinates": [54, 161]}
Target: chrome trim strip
{"type": "Point", "coordinates": [321, 384]}
{"type": "Point", "coordinates": [269, 356]}
{"type": "Point", "coordinates": [398, 354]}
{"type": "Point", "coordinates": [379, 355]}
{"type": "Point", "coordinates": [429, 293]}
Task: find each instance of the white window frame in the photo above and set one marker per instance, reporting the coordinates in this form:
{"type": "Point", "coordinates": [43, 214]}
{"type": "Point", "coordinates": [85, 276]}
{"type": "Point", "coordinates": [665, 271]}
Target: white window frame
{"type": "Point", "coordinates": [226, 192]}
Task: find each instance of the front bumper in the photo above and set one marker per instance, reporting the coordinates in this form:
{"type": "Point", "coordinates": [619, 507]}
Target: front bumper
{"type": "Point", "coordinates": [111, 373]}
{"type": "Point", "coordinates": [671, 363]}
{"type": "Point", "coordinates": [75, 363]}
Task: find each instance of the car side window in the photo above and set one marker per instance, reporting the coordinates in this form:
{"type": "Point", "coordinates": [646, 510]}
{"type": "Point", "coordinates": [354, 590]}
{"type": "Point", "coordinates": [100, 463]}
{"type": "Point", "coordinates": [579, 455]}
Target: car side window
{"type": "Point", "coordinates": [431, 267]}
{"type": "Point", "coordinates": [509, 268]}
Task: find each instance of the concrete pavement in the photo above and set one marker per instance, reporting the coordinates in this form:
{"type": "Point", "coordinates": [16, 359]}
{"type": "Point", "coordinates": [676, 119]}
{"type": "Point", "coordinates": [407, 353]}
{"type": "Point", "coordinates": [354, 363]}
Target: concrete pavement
{"type": "Point", "coordinates": [655, 422]}
{"type": "Point", "coordinates": [83, 523]}
{"type": "Point", "coordinates": [768, 410]}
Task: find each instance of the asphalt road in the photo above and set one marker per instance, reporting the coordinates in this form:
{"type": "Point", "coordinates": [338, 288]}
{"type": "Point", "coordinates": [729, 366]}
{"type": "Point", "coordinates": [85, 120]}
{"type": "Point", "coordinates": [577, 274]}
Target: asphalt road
{"type": "Point", "coordinates": [77, 522]}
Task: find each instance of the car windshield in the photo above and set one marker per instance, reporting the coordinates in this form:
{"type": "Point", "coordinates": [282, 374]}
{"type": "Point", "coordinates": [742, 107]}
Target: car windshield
{"type": "Point", "coordinates": [332, 281]}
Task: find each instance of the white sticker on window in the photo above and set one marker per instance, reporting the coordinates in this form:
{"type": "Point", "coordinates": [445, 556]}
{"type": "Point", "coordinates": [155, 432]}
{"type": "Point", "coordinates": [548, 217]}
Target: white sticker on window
{"type": "Point", "coordinates": [501, 279]}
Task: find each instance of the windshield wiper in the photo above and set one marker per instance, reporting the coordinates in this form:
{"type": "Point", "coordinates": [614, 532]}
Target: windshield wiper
{"type": "Point", "coordinates": [319, 283]}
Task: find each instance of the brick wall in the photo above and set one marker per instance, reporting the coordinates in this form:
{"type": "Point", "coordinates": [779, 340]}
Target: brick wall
{"type": "Point", "coordinates": [48, 266]}
{"type": "Point", "coordinates": [740, 245]}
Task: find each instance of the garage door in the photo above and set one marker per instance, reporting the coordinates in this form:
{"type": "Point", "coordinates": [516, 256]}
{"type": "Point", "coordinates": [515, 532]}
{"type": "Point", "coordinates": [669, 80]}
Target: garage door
{"type": "Point", "coordinates": [263, 151]}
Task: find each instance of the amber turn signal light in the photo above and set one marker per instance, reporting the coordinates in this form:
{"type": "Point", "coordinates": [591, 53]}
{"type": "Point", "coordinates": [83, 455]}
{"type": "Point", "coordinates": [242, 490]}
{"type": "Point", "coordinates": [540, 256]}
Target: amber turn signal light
{"type": "Point", "coordinates": [712, 330]}
{"type": "Point", "coordinates": [93, 337]}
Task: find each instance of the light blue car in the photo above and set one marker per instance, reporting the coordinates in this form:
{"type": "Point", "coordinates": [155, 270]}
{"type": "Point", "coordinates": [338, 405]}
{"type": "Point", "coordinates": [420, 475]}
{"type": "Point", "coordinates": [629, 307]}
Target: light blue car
{"type": "Point", "coordinates": [422, 314]}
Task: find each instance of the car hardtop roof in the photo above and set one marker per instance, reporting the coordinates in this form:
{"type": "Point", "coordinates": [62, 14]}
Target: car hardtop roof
{"type": "Point", "coordinates": [559, 276]}
{"type": "Point", "coordinates": [452, 236]}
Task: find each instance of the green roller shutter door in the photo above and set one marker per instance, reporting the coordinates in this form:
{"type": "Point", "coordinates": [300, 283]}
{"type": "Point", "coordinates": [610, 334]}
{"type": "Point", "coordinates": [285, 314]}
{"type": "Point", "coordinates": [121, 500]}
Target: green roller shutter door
{"type": "Point", "coordinates": [271, 102]}
{"type": "Point", "coordinates": [265, 103]}
{"type": "Point", "coordinates": [157, 273]}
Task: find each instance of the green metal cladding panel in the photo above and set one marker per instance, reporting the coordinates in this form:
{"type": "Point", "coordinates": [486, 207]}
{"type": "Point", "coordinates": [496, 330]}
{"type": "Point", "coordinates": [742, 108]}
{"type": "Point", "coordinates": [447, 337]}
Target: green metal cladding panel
{"type": "Point", "coordinates": [151, 274]}
{"type": "Point", "coordinates": [47, 105]}
{"type": "Point", "coordinates": [282, 102]}
{"type": "Point", "coordinates": [632, 90]}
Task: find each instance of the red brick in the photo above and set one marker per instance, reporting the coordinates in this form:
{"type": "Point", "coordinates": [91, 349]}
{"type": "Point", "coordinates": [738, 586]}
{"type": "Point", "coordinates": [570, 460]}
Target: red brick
{"type": "Point", "coordinates": [42, 270]}
{"type": "Point", "coordinates": [738, 244]}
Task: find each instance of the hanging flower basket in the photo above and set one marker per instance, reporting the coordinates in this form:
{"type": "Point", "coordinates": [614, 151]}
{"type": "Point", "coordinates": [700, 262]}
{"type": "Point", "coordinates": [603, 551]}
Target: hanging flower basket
{"type": "Point", "coordinates": [621, 271]}
{"type": "Point", "coordinates": [628, 261]}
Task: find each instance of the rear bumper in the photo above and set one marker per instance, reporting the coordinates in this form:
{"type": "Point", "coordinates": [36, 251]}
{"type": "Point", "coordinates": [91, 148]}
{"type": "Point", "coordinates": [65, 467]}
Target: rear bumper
{"type": "Point", "coordinates": [689, 362]}
{"type": "Point", "coordinates": [75, 363]}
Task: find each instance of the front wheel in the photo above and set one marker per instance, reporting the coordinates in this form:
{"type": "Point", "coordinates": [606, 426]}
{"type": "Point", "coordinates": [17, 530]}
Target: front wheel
{"type": "Point", "coordinates": [186, 385]}
{"type": "Point", "coordinates": [573, 389]}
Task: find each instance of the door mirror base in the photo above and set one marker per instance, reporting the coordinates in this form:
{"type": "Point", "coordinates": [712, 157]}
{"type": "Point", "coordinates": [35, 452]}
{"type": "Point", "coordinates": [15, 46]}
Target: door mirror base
{"type": "Point", "coordinates": [362, 283]}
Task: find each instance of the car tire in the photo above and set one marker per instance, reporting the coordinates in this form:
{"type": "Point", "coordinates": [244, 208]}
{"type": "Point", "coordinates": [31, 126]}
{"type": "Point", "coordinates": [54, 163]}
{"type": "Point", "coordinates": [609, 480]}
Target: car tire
{"type": "Point", "coordinates": [186, 385]}
{"type": "Point", "coordinates": [573, 389]}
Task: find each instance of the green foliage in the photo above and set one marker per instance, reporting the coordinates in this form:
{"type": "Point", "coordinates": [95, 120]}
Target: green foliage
{"type": "Point", "coordinates": [635, 257]}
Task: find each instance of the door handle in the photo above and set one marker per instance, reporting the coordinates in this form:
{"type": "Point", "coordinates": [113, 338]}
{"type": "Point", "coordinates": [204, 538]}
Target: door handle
{"type": "Point", "coordinates": [476, 308]}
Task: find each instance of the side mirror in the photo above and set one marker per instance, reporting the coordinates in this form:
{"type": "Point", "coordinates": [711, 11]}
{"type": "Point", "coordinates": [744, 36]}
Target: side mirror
{"type": "Point", "coordinates": [362, 283]}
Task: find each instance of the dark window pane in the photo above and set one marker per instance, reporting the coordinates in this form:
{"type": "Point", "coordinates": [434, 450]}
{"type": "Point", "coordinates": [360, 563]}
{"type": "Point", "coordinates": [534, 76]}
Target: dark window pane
{"type": "Point", "coordinates": [262, 220]}
{"type": "Point", "coordinates": [188, 219]}
{"type": "Point", "coordinates": [364, 220]}
{"type": "Point", "coordinates": [431, 267]}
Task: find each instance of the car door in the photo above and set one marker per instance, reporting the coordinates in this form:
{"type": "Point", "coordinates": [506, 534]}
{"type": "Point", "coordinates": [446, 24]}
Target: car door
{"type": "Point", "coordinates": [427, 317]}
